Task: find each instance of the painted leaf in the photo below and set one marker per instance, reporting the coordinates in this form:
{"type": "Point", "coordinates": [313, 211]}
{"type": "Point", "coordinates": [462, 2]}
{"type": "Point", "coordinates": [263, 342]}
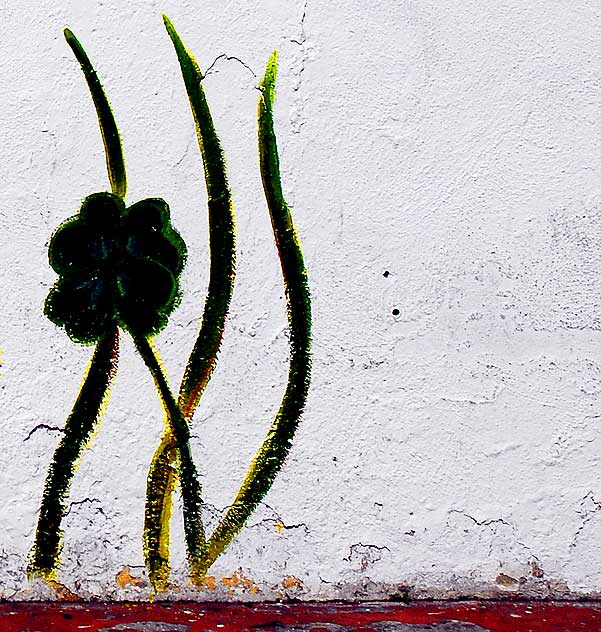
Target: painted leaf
{"type": "Point", "coordinates": [115, 163]}
{"type": "Point", "coordinates": [162, 477]}
{"type": "Point", "coordinates": [272, 453]}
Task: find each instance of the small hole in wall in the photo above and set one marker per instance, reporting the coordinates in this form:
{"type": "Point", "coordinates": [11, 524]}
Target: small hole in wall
{"type": "Point", "coordinates": [395, 312]}
{"type": "Point", "coordinates": [386, 274]}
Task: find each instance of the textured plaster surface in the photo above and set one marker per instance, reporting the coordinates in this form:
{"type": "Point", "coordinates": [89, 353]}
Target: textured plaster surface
{"type": "Point", "coordinates": [443, 164]}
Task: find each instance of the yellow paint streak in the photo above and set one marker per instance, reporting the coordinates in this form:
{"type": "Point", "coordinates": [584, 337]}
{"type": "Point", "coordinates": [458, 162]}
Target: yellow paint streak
{"type": "Point", "coordinates": [187, 405]}
{"type": "Point", "coordinates": [159, 577]}
{"type": "Point", "coordinates": [279, 528]}
{"type": "Point", "coordinates": [101, 411]}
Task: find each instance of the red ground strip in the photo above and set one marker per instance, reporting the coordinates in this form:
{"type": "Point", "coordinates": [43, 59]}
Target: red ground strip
{"type": "Point", "coordinates": [310, 617]}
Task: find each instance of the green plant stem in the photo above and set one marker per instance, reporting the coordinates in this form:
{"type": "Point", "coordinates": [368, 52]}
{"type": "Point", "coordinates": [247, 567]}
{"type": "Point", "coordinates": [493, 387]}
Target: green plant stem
{"type": "Point", "coordinates": [86, 413]}
{"type": "Point", "coordinates": [79, 430]}
{"type": "Point", "coordinates": [272, 453]}
{"type": "Point", "coordinates": [162, 477]}
{"type": "Point", "coordinates": [222, 239]}
{"type": "Point", "coordinates": [190, 485]}
{"type": "Point", "coordinates": [115, 163]}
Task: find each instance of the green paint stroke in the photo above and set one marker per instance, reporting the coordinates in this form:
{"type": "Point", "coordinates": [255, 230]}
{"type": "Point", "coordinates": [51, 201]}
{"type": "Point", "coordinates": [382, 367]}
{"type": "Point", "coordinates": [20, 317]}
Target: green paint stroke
{"type": "Point", "coordinates": [272, 453]}
{"type": "Point", "coordinates": [115, 164]}
{"type": "Point", "coordinates": [81, 423]}
{"type": "Point", "coordinates": [162, 477]}
{"type": "Point", "coordinates": [79, 430]}
{"type": "Point", "coordinates": [191, 491]}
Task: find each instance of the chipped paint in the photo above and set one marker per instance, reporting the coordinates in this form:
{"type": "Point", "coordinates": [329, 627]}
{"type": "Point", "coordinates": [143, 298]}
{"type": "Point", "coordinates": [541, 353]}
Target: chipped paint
{"type": "Point", "coordinates": [506, 581]}
{"type": "Point", "coordinates": [237, 583]}
{"type": "Point", "coordinates": [292, 583]}
{"type": "Point", "coordinates": [209, 582]}
{"type": "Point", "coordinates": [61, 592]}
{"type": "Point", "coordinates": [125, 578]}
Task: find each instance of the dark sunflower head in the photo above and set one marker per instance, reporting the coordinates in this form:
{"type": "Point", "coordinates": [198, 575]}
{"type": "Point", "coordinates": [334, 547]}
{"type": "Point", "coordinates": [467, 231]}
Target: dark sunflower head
{"type": "Point", "coordinates": [115, 264]}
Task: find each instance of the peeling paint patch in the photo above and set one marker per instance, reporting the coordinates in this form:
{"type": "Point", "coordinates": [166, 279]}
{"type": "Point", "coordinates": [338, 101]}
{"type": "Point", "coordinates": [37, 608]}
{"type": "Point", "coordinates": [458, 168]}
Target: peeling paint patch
{"type": "Point", "coordinates": [62, 592]}
{"type": "Point", "coordinates": [240, 582]}
{"type": "Point", "coordinates": [209, 582]}
{"type": "Point", "coordinates": [506, 581]}
{"type": "Point", "coordinates": [292, 583]}
{"type": "Point", "coordinates": [125, 578]}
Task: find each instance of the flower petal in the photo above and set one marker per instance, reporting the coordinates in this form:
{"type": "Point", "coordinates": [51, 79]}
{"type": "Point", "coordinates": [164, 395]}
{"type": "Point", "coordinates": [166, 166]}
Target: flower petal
{"type": "Point", "coordinates": [148, 293]}
{"type": "Point", "coordinates": [83, 307]}
{"type": "Point", "coordinates": [102, 212]}
{"type": "Point", "coordinates": [166, 248]}
{"type": "Point", "coordinates": [151, 213]}
{"type": "Point", "coordinates": [77, 248]}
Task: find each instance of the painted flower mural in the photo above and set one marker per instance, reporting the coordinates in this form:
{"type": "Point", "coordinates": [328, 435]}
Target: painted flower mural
{"type": "Point", "coordinates": [116, 265]}
{"type": "Point", "coordinates": [118, 268]}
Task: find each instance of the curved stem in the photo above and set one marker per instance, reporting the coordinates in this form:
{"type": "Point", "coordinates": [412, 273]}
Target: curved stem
{"type": "Point", "coordinates": [191, 490]}
{"type": "Point", "coordinates": [115, 164]}
{"type": "Point", "coordinates": [162, 477]}
{"type": "Point", "coordinates": [79, 430]}
{"type": "Point", "coordinates": [272, 453]}
{"type": "Point", "coordinates": [222, 238]}
{"type": "Point", "coordinates": [82, 422]}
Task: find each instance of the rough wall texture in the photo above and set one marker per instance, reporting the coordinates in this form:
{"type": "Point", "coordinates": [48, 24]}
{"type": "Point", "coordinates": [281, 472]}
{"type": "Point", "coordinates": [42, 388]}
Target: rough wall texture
{"type": "Point", "coordinates": [443, 164]}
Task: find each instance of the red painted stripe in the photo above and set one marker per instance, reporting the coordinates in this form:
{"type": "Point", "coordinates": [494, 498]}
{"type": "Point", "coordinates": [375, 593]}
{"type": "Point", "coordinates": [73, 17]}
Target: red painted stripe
{"type": "Point", "coordinates": [314, 617]}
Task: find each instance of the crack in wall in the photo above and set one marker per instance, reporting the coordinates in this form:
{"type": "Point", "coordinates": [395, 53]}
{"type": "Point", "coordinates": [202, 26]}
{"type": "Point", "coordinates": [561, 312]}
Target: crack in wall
{"type": "Point", "coordinates": [224, 56]}
{"type": "Point", "coordinates": [191, 140]}
{"type": "Point", "coordinates": [587, 514]}
{"type": "Point", "coordinates": [304, 54]}
{"type": "Point", "coordinates": [365, 554]}
{"type": "Point", "coordinates": [77, 503]}
{"type": "Point", "coordinates": [492, 524]}
{"type": "Point", "coordinates": [481, 523]}
{"type": "Point", "coordinates": [46, 427]}
{"type": "Point", "coordinates": [278, 522]}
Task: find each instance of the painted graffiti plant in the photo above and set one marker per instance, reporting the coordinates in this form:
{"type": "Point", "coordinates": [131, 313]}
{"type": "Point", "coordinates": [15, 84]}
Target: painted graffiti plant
{"type": "Point", "coordinates": [119, 267]}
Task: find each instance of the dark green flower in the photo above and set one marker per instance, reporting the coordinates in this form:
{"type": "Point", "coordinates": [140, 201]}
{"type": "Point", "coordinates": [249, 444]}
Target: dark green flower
{"type": "Point", "coordinates": [116, 264]}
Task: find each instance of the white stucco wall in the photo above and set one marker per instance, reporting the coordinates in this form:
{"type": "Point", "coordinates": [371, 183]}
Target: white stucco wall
{"type": "Point", "coordinates": [442, 159]}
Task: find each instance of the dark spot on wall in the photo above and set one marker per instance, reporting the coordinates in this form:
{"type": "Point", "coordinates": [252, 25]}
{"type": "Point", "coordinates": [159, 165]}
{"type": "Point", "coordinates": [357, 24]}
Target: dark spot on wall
{"type": "Point", "coordinates": [386, 274]}
{"type": "Point", "coordinates": [536, 571]}
{"type": "Point", "coordinates": [506, 580]}
{"type": "Point", "coordinates": [401, 595]}
{"type": "Point", "coordinates": [395, 312]}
